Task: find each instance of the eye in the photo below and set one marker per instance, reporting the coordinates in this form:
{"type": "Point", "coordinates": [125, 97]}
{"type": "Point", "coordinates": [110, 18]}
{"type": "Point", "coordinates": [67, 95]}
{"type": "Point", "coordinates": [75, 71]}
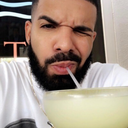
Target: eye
{"type": "Point", "coordinates": [82, 33]}
{"type": "Point", "coordinates": [48, 26]}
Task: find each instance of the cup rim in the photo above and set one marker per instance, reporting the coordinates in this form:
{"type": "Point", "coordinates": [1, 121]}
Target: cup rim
{"type": "Point", "coordinates": [88, 92]}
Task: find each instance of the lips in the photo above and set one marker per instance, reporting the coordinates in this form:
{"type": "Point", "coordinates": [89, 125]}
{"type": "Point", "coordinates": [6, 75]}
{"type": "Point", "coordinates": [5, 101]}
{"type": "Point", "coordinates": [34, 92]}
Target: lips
{"type": "Point", "coordinates": [59, 68]}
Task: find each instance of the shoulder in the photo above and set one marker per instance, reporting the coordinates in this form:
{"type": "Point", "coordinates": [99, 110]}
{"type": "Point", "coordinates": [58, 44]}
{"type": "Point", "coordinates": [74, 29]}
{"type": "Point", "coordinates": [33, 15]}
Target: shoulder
{"type": "Point", "coordinates": [12, 67]}
{"type": "Point", "coordinates": [13, 78]}
{"type": "Point", "coordinates": [106, 75]}
{"type": "Point", "coordinates": [107, 68]}
{"type": "Point", "coordinates": [13, 72]}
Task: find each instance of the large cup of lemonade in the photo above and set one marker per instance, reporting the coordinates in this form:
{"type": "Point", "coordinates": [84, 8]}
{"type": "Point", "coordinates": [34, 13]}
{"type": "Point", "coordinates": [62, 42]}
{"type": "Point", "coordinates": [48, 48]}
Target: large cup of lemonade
{"type": "Point", "coordinates": [88, 108]}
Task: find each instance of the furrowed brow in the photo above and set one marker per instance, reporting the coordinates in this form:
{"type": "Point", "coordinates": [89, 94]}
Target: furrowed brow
{"type": "Point", "coordinates": [83, 28]}
{"type": "Point", "coordinates": [50, 20]}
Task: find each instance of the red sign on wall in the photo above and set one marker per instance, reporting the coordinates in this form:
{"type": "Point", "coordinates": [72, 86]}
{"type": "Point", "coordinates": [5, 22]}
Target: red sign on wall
{"type": "Point", "coordinates": [12, 20]}
{"type": "Point", "coordinates": [14, 47]}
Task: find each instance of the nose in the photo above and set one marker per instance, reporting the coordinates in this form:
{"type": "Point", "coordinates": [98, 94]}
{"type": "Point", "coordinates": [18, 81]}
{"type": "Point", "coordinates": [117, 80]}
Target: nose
{"type": "Point", "coordinates": [64, 41]}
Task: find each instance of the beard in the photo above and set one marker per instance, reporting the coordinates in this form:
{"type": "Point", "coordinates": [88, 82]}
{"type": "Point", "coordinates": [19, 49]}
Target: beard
{"type": "Point", "coordinates": [56, 82]}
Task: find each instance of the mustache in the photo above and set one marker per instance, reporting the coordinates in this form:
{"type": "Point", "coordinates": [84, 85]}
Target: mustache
{"type": "Point", "coordinates": [63, 57]}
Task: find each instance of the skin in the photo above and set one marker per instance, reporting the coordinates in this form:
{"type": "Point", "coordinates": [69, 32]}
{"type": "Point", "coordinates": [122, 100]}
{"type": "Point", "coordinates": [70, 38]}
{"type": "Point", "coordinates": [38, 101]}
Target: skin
{"type": "Point", "coordinates": [48, 39]}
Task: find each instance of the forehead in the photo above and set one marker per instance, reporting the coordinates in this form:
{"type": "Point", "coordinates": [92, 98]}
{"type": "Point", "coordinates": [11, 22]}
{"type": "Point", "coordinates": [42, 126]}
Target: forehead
{"type": "Point", "coordinates": [65, 10]}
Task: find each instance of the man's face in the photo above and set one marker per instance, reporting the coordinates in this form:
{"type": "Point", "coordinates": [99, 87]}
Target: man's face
{"type": "Point", "coordinates": [62, 26]}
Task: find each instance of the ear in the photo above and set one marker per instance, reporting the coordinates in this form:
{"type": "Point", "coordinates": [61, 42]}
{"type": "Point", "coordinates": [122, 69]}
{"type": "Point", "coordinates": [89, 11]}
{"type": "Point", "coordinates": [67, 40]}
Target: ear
{"type": "Point", "coordinates": [28, 26]}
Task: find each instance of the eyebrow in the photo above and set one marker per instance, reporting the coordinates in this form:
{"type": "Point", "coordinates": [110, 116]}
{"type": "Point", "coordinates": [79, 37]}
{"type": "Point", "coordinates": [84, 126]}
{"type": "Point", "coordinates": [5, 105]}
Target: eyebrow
{"type": "Point", "coordinates": [82, 28]}
{"type": "Point", "coordinates": [50, 20]}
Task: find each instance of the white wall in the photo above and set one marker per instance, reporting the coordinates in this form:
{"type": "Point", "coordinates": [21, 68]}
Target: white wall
{"type": "Point", "coordinates": [115, 27]}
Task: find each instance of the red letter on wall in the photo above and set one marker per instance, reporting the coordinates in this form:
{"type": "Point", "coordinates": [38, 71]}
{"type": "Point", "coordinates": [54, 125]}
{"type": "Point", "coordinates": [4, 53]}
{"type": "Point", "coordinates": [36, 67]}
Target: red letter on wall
{"type": "Point", "coordinates": [14, 46]}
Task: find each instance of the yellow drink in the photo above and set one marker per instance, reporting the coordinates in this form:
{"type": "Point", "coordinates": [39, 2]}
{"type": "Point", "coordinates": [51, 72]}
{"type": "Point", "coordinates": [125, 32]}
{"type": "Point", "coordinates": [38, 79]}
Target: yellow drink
{"type": "Point", "coordinates": [84, 109]}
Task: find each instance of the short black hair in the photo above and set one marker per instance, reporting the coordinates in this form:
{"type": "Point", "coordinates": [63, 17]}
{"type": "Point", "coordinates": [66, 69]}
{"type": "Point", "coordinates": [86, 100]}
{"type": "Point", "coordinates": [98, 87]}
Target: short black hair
{"type": "Point", "coordinates": [35, 2]}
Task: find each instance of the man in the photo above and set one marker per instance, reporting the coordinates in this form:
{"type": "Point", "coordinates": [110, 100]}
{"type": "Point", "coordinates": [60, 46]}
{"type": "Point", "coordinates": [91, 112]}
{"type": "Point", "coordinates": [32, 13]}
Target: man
{"type": "Point", "coordinates": [60, 35]}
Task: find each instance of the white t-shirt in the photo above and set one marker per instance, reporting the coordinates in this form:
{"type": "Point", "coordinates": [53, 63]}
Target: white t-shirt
{"type": "Point", "coordinates": [18, 105]}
